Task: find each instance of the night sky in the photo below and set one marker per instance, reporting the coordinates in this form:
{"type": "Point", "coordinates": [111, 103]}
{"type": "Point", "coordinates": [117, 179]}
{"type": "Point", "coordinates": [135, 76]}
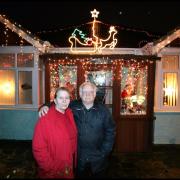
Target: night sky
{"type": "Point", "coordinates": [157, 17]}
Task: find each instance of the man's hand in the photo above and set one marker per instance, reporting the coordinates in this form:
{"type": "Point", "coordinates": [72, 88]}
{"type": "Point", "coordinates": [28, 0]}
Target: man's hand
{"type": "Point", "coordinates": [43, 110]}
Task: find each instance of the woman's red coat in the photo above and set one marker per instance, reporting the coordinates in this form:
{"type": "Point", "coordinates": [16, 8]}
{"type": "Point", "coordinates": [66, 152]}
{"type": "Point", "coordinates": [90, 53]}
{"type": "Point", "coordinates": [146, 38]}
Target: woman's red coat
{"type": "Point", "coordinates": [54, 143]}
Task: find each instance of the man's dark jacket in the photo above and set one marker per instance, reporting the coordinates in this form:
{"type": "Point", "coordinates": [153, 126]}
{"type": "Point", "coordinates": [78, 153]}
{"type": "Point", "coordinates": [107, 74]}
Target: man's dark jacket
{"type": "Point", "coordinates": [96, 134]}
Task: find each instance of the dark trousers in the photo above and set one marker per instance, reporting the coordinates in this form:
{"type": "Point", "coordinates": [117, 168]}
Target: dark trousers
{"type": "Point", "coordinates": [87, 173]}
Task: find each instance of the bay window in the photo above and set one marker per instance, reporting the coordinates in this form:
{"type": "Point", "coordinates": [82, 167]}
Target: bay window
{"type": "Point", "coordinates": [20, 79]}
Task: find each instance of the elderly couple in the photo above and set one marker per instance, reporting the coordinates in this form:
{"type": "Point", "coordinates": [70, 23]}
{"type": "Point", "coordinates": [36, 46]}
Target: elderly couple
{"type": "Point", "coordinates": [73, 137]}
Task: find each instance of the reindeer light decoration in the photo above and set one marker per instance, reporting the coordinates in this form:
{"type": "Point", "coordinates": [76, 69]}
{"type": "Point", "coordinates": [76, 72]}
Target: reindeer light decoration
{"type": "Point", "coordinates": [96, 43]}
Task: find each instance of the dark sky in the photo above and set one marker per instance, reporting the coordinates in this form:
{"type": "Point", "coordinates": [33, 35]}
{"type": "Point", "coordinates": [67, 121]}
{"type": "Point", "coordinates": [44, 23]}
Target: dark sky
{"type": "Point", "coordinates": [156, 17]}
{"type": "Point", "coordinates": [153, 16]}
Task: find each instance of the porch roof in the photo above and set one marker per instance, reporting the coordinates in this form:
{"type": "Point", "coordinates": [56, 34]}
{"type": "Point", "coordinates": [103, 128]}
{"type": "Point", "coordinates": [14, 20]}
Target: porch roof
{"type": "Point", "coordinates": [57, 56]}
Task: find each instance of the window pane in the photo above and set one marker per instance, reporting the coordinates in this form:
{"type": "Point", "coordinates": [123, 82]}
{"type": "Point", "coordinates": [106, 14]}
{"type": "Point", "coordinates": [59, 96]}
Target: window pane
{"type": "Point", "coordinates": [25, 60]}
{"type": "Point", "coordinates": [170, 62]}
{"type": "Point", "coordinates": [170, 89]}
{"type": "Point", "coordinates": [100, 78]}
{"type": "Point", "coordinates": [68, 79]}
{"type": "Point", "coordinates": [63, 76]}
{"type": "Point", "coordinates": [103, 81]}
{"type": "Point", "coordinates": [7, 60]}
{"type": "Point", "coordinates": [133, 90]}
{"type": "Point", "coordinates": [25, 87]}
{"type": "Point", "coordinates": [7, 87]}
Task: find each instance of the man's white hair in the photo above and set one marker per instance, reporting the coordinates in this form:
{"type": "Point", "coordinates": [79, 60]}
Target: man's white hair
{"type": "Point", "coordinates": [89, 84]}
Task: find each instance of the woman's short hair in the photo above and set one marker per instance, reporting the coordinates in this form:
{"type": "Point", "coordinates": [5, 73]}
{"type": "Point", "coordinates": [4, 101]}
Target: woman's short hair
{"type": "Point", "coordinates": [61, 89]}
{"type": "Point", "coordinates": [87, 83]}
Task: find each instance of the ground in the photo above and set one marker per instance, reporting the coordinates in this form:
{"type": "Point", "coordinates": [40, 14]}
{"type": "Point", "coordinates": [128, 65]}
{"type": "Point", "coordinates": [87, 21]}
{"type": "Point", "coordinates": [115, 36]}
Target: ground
{"type": "Point", "coordinates": [16, 161]}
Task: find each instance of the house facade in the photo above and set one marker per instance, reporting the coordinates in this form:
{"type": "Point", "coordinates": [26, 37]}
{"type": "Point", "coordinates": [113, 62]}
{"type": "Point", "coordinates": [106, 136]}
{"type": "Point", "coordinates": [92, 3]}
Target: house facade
{"type": "Point", "coordinates": [30, 74]}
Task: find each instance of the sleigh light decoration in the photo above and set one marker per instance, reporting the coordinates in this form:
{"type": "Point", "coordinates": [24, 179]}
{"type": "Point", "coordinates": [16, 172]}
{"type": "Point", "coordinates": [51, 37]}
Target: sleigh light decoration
{"type": "Point", "coordinates": [95, 44]}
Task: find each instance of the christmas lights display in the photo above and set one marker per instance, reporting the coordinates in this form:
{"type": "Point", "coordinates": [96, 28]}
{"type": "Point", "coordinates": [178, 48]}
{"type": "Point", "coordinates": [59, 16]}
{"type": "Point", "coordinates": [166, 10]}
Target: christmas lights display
{"type": "Point", "coordinates": [162, 42]}
{"type": "Point", "coordinates": [155, 47]}
{"type": "Point", "coordinates": [132, 73]}
{"type": "Point", "coordinates": [96, 43]}
{"type": "Point", "coordinates": [133, 89]}
{"type": "Point", "coordinates": [132, 77]}
{"type": "Point", "coordinates": [62, 75]}
{"type": "Point", "coordinates": [24, 34]}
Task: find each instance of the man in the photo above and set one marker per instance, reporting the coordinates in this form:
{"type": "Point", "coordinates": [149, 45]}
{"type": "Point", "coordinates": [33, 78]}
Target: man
{"type": "Point", "coordinates": [96, 132]}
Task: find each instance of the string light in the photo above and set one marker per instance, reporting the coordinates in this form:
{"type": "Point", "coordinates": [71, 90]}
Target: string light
{"type": "Point", "coordinates": [154, 48]}
{"type": "Point", "coordinates": [14, 27]}
{"type": "Point", "coordinates": [21, 44]}
{"type": "Point", "coordinates": [36, 42]}
{"type": "Point", "coordinates": [137, 69]}
{"type": "Point", "coordinates": [6, 35]}
{"type": "Point", "coordinates": [142, 42]}
{"type": "Point", "coordinates": [100, 22]}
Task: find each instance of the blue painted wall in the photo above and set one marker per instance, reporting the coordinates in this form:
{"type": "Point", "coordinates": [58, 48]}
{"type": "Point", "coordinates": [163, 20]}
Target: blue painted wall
{"type": "Point", "coordinates": [17, 124]}
{"type": "Point", "coordinates": [167, 128]}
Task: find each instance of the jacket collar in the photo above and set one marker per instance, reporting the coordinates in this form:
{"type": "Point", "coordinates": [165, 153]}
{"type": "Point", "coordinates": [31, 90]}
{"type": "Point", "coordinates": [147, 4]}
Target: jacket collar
{"type": "Point", "coordinates": [93, 107]}
{"type": "Point", "coordinates": [78, 105]}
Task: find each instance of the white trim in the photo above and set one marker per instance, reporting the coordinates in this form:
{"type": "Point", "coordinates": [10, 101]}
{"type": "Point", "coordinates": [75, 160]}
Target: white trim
{"type": "Point", "coordinates": [17, 49]}
{"type": "Point", "coordinates": [65, 50]}
{"type": "Point", "coordinates": [170, 50]}
{"type": "Point", "coordinates": [158, 98]}
{"type": "Point", "coordinates": [18, 108]}
{"type": "Point", "coordinates": [166, 41]}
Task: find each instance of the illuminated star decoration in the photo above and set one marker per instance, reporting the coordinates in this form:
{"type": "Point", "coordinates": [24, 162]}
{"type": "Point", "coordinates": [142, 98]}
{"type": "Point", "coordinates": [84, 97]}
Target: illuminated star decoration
{"type": "Point", "coordinates": [95, 13]}
{"type": "Point", "coordinates": [95, 43]}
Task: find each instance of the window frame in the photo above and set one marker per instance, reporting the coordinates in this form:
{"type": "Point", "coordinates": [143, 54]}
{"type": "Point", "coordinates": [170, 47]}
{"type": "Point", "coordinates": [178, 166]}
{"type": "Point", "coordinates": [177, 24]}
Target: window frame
{"type": "Point", "coordinates": [35, 76]}
{"type": "Point", "coordinates": [158, 98]}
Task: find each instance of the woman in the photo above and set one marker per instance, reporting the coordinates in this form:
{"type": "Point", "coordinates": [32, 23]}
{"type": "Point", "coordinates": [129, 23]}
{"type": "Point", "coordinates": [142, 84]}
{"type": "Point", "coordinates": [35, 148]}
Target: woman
{"type": "Point", "coordinates": [55, 139]}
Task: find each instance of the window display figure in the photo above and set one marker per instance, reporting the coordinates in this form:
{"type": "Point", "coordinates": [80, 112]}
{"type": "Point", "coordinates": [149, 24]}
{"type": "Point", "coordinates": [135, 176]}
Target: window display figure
{"type": "Point", "coordinates": [126, 95]}
{"type": "Point", "coordinates": [69, 85]}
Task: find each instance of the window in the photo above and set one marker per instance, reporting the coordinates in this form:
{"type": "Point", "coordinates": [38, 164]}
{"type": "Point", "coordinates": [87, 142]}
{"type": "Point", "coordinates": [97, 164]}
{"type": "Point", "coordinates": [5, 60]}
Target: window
{"type": "Point", "coordinates": [167, 97]}
{"type": "Point", "coordinates": [63, 76]}
{"type": "Point", "coordinates": [7, 60]}
{"type": "Point", "coordinates": [7, 87]}
{"type": "Point", "coordinates": [25, 60]}
{"type": "Point", "coordinates": [16, 79]}
{"type": "Point", "coordinates": [170, 65]}
{"type": "Point", "coordinates": [103, 81]}
{"type": "Point", "coordinates": [25, 87]}
{"type": "Point", "coordinates": [170, 89]}
{"type": "Point", "coordinates": [133, 89]}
